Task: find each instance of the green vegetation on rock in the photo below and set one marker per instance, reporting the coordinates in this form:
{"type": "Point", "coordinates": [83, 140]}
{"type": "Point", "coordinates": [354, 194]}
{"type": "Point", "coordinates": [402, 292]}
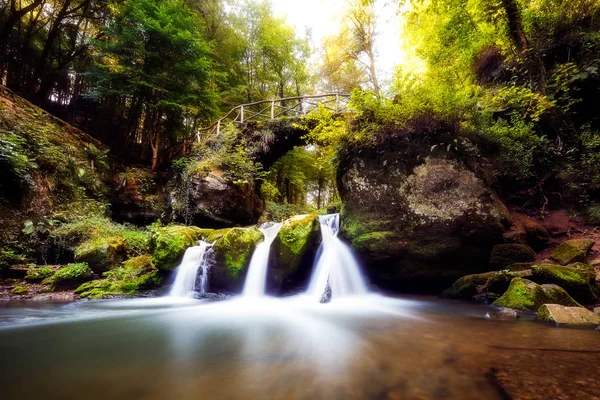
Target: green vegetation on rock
{"type": "Point", "coordinates": [234, 249]}
{"type": "Point", "coordinates": [38, 274]}
{"type": "Point", "coordinates": [102, 255]}
{"type": "Point", "coordinates": [136, 274]}
{"type": "Point", "coordinates": [525, 295]}
{"type": "Point", "coordinates": [572, 251]}
{"type": "Point", "coordinates": [70, 276]}
{"type": "Point", "coordinates": [493, 282]}
{"type": "Point", "coordinates": [296, 236]}
{"type": "Point", "coordinates": [170, 242]}
{"type": "Point", "coordinates": [20, 290]}
{"type": "Point", "coordinates": [578, 282]}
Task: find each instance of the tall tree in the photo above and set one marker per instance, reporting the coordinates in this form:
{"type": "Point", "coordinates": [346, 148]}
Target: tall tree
{"type": "Point", "coordinates": [349, 57]}
{"type": "Point", "coordinates": [154, 60]}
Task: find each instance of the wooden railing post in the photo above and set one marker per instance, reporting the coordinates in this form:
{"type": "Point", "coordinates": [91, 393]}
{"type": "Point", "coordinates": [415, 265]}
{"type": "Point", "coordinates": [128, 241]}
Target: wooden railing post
{"type": "Point", "coordinates": [218, 127]}
{"type": "Point", "coordinates": [242, 114]}
{"type": "Point", "coordinates": [198, 136]}
{"type": "Point", "coordinates": [337, 99]}
{"type": "Point", "coordinates": [273, 110]}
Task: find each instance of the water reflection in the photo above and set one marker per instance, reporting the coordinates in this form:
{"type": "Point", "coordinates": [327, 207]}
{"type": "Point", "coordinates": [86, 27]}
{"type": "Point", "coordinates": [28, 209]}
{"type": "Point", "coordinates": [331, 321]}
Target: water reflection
{"type": "Point", "coordinates": [293, 348]}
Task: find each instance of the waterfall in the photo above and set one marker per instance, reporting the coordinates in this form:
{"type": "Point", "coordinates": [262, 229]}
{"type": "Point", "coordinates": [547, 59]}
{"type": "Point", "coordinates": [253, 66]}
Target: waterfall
{"type": "Point", "coordinates": [255, 283]}
{"type": "Point", "coordinates": [335, 265]}
{"type": "Point", "coordinates": [195, 257]}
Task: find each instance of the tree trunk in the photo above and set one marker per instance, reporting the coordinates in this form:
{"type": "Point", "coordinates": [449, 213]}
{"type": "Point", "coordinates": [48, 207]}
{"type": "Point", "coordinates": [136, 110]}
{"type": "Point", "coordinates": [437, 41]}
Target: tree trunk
{"type": "Point", "coordinates": [533, 62]}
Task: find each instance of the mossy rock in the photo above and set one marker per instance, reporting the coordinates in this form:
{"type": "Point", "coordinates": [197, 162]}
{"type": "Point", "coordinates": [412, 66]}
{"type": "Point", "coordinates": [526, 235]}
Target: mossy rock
{"type": "Point", "coordinates": [102, 255]}
{"type": "Point", "coordinates": [39, 274]}
{"type": "Point", "coordinates": [235, 248]}
{"type": "Point", "coordinates": [216, 234]}
{"type": "Point", "coordinates": [136, 274]}
{"type": "Point", "coordinates": [170, 242]}
{"type": "Point", "coordinates": [572, 251]}
{"type": "Point", "coordinates": [507, 254]}
{"type": "Point", "coordinates": [558, 295]}
{"type": "Point", "coordinates": [579, 283]}
{"type": "Point", "coordinates": [417, 222]}
{"type": "Point", "coordinates": [232, 254]}
{"type": "Point", "coordinates": [70, 276]}
{"type": "Point", "coordinates": [474, 284]}
{"type": "Point", "coordinates": [19, 291]}
{"type": "Point", "coordinates": [575, 317]}
{"type": "Point", "coordinates": [525, 295]}
{"type": "Point", "coordinates": [293, 249]}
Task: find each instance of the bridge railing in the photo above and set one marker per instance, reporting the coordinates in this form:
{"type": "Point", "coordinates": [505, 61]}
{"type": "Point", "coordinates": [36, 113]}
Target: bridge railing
{"type": "Point", "coordinates": [266, 110]}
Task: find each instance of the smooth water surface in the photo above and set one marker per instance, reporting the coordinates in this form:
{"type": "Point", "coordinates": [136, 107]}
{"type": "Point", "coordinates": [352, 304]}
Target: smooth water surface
{"type": "Point", "coordinates": [364, 347]}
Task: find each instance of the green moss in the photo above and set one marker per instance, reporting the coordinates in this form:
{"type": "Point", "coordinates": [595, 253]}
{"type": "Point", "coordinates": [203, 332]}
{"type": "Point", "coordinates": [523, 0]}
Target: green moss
{"type": "Point", "coordinates": [170, 242]}
{"type": "Point", "coordinates": [373, 241]}
{"type": "Point", "coordinates": [522, 294]}
{"type": "Point", "coordinates": [490, 282]}
{"type": "Point", "coordinates": [433, 247]}
{"type": "Point", "coordinates": [572, 251]}
{"type": "Point", "coordinates": [578, 282]}
{"type": "Point", "coordinates": [71, 276]}
{"type": "Point", "coordinates": [296, 236]}
{"type": "Point", "coordinates": [525, 295]}
{"type": "Point", "coordinates": [557, 295]}
{"type": "Point", "coordinates": [136, 274]}
{"type": "Point", "coordinates": [506, 254]}
{"type": "Point", "coordinates": [216, 234]}
{"type": "Point", "coordinates": [101, 255]}
{"type": "Point", "coordinates": [90, 230]}
{"type": "Point", "coordinates": [20, 290]}
{"type": "Point", "coordinates": [235, 248]}
{"type": "Point", "coordinates": [38, 274]}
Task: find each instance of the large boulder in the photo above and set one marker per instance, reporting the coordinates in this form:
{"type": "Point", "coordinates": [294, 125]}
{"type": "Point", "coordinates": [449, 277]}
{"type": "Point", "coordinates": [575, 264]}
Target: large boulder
{"type": "Point", "coordinates": [293, 251]}
{"type": "Point", "coordinates": [232, 253]}
{"type": "Point", "coordinates": [504, 255]}
{"type": "Point", "coordinates": [572, 251]}
{"type": "Point", "coordinates": [579, 282]}
{"type": "Point", "coordinates": [102, 255]}
{"type": "Point", "coordinates": [208, 199]}
{"type": "Point", "coordinates": [417, 220]}
{"type": "Point", "coordinates": [170, 242]}
{"type": "Point", "coordinates": [576, 317]}
{"type": "Point", "coordinates": [525, 295]}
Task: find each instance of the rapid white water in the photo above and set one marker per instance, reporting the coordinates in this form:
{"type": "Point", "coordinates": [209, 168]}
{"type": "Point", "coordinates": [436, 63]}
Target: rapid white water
{"type": "Point", "coordinates": [195, 257]}
{"type": "Point", "coordinates": [255, 283]}
{"type": "Point", "coordinates": [335, 264]}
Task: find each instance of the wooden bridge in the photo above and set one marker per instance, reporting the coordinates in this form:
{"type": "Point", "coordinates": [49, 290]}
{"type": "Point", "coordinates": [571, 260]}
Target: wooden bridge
{"type": "Point", "coordinates": [266, 110]}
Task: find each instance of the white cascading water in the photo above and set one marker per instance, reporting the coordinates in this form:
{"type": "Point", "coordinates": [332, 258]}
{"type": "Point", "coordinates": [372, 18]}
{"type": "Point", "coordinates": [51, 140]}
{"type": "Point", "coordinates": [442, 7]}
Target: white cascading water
{"type": "Point", "coordinates": [335, 264]}
{"type": "Point", "coordinates": [256, 278]}
{"type": "Point", "coordinates": [195, 257]}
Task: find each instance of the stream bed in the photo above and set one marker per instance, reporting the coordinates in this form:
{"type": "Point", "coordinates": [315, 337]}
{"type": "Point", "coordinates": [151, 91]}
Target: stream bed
{"type": "Point", "coordinates": [360, 347]}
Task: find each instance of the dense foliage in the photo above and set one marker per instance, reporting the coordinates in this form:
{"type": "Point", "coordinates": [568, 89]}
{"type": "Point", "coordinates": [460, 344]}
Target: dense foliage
{"type": "Point", "coordinates": [142, 75]}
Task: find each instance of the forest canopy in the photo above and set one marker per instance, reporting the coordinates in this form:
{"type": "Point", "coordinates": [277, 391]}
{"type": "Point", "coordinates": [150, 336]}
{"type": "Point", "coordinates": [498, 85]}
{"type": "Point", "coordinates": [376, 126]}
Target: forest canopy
{"type": "Point", "coordinates": [517, 78]}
